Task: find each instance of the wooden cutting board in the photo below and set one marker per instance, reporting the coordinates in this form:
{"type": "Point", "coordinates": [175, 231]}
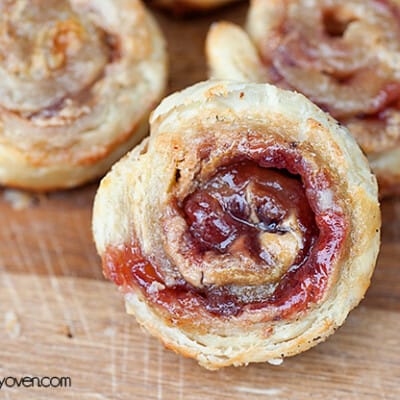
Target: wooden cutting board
{"type": "Point", "coordinates": [59, 317]}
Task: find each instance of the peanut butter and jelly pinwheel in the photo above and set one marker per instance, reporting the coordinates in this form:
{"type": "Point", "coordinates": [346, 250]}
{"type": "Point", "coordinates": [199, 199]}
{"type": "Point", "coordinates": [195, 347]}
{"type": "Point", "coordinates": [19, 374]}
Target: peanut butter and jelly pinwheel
{"type": "Point", "coordinates": [244, 229]}
{"type": "Point", "coordinates": [78, 80]}
{"type": "Point", "coordinates": [343, 55]}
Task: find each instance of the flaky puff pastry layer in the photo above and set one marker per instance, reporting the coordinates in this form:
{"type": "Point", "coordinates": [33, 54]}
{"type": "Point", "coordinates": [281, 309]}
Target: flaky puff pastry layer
{"type": "Point", "coordinates": [141, 226]}
{"type": "Point", "coordinates": [78, 80]}
{"type": "Point", "coordinates": [344, 56]}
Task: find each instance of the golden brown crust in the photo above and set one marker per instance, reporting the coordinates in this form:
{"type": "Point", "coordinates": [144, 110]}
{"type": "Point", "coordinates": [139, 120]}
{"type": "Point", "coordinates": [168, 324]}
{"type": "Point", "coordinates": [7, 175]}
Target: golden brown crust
{"type": "Point", "coordinates": [79, 79]}
{"type": "Point", "coordinates": [343, 56]}
{"type": "Point", "coordinates": [136, 223]}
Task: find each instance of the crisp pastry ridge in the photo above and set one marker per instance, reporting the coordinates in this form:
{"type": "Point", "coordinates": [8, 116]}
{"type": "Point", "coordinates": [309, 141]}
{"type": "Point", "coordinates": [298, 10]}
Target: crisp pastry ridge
{"type": "Point", "coordinates": [222, 253]}
{"type": "Point", "coordinates": [78, 81]}
{"type": "Point", "coordinates": [344, 56]}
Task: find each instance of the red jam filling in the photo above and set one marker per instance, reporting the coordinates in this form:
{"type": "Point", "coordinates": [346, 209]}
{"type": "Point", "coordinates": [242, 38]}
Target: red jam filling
{"type": "Point", "coordinates": [219, 210]}
{"type": "Point", "coordinates": [243, 200]}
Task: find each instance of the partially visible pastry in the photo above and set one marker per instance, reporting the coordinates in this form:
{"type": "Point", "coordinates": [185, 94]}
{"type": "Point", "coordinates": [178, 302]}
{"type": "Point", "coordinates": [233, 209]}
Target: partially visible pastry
{"type": "Point", "coordinates": [244, 229]}
{"type": "Point", "coordinates": [343, 55]}
{"type": "Point", "coordinates": [78, 80]}
{"type": "Point", "coordinates": [186, 6]}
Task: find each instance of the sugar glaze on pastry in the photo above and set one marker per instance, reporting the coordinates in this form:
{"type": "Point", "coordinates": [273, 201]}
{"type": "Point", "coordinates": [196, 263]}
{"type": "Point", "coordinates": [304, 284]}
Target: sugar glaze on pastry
{"type": "Point", "coordinates": [244, 229]}
{"type": "Point", "coordinates": [78, 80]}
{"type": "Point", "coordinates": [343, 55]}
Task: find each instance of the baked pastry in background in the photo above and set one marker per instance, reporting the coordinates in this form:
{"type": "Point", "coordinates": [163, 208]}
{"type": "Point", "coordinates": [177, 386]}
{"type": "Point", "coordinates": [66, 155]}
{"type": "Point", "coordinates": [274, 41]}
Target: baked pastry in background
{"type": "Point", "coordinates": [244, 229]}
{"type": "Point", "coordinates": [180, 7]}
{"type": "Point", "coordinates": [78, 80]}
{"type": "Point", "coordinates": [343, 55]}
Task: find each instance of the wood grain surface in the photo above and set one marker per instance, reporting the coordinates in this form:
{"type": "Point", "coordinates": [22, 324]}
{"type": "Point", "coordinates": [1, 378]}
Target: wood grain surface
{"type": "Point", "coordinates": [59, 317]}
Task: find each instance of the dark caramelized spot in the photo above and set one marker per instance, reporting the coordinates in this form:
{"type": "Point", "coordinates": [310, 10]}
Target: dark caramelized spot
{"type": "Point", "coordinates": [177, 175]}
{"type": "Point", "coordinates": [114, 46]}
{"type": "Point", "coordinates": [221, 302]}
{"type": "Point", "coordinates": [334, 25]}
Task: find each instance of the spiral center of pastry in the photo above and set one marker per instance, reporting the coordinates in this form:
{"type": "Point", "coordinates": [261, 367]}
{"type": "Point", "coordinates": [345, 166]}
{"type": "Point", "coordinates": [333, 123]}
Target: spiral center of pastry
{"type": "Point", "coordinates": [47, 52]}
{"type": "Point", "coordinates": [256, 219]}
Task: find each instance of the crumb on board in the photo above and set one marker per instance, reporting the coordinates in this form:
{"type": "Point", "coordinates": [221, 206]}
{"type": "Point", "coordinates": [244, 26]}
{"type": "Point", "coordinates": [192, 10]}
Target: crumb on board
{"type": "Point", "coordinates": [67, 331]}
{"type": "Point", "coordinates": [12, 324]}
{"type": "Point", "coordinates": [275, 361]}
{"type": "Point", "coordinates": [110, 331]}
{"type": "Point", "coordinates": [18, 199]}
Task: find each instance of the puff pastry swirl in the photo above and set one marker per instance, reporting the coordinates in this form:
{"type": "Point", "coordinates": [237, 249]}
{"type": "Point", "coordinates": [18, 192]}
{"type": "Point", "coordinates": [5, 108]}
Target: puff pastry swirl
{"type": "Point", "coordinates": [78, 80]}
{"type": "Point", "coordinates": [343, 55]}
{"type": "Point", "coordinates": [244, 229]}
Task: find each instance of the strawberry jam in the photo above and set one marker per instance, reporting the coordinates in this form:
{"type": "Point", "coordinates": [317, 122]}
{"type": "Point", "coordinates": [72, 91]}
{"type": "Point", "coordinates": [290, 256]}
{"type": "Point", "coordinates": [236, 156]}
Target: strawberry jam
{"type": "Point", "coordinates": [245, 198]}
